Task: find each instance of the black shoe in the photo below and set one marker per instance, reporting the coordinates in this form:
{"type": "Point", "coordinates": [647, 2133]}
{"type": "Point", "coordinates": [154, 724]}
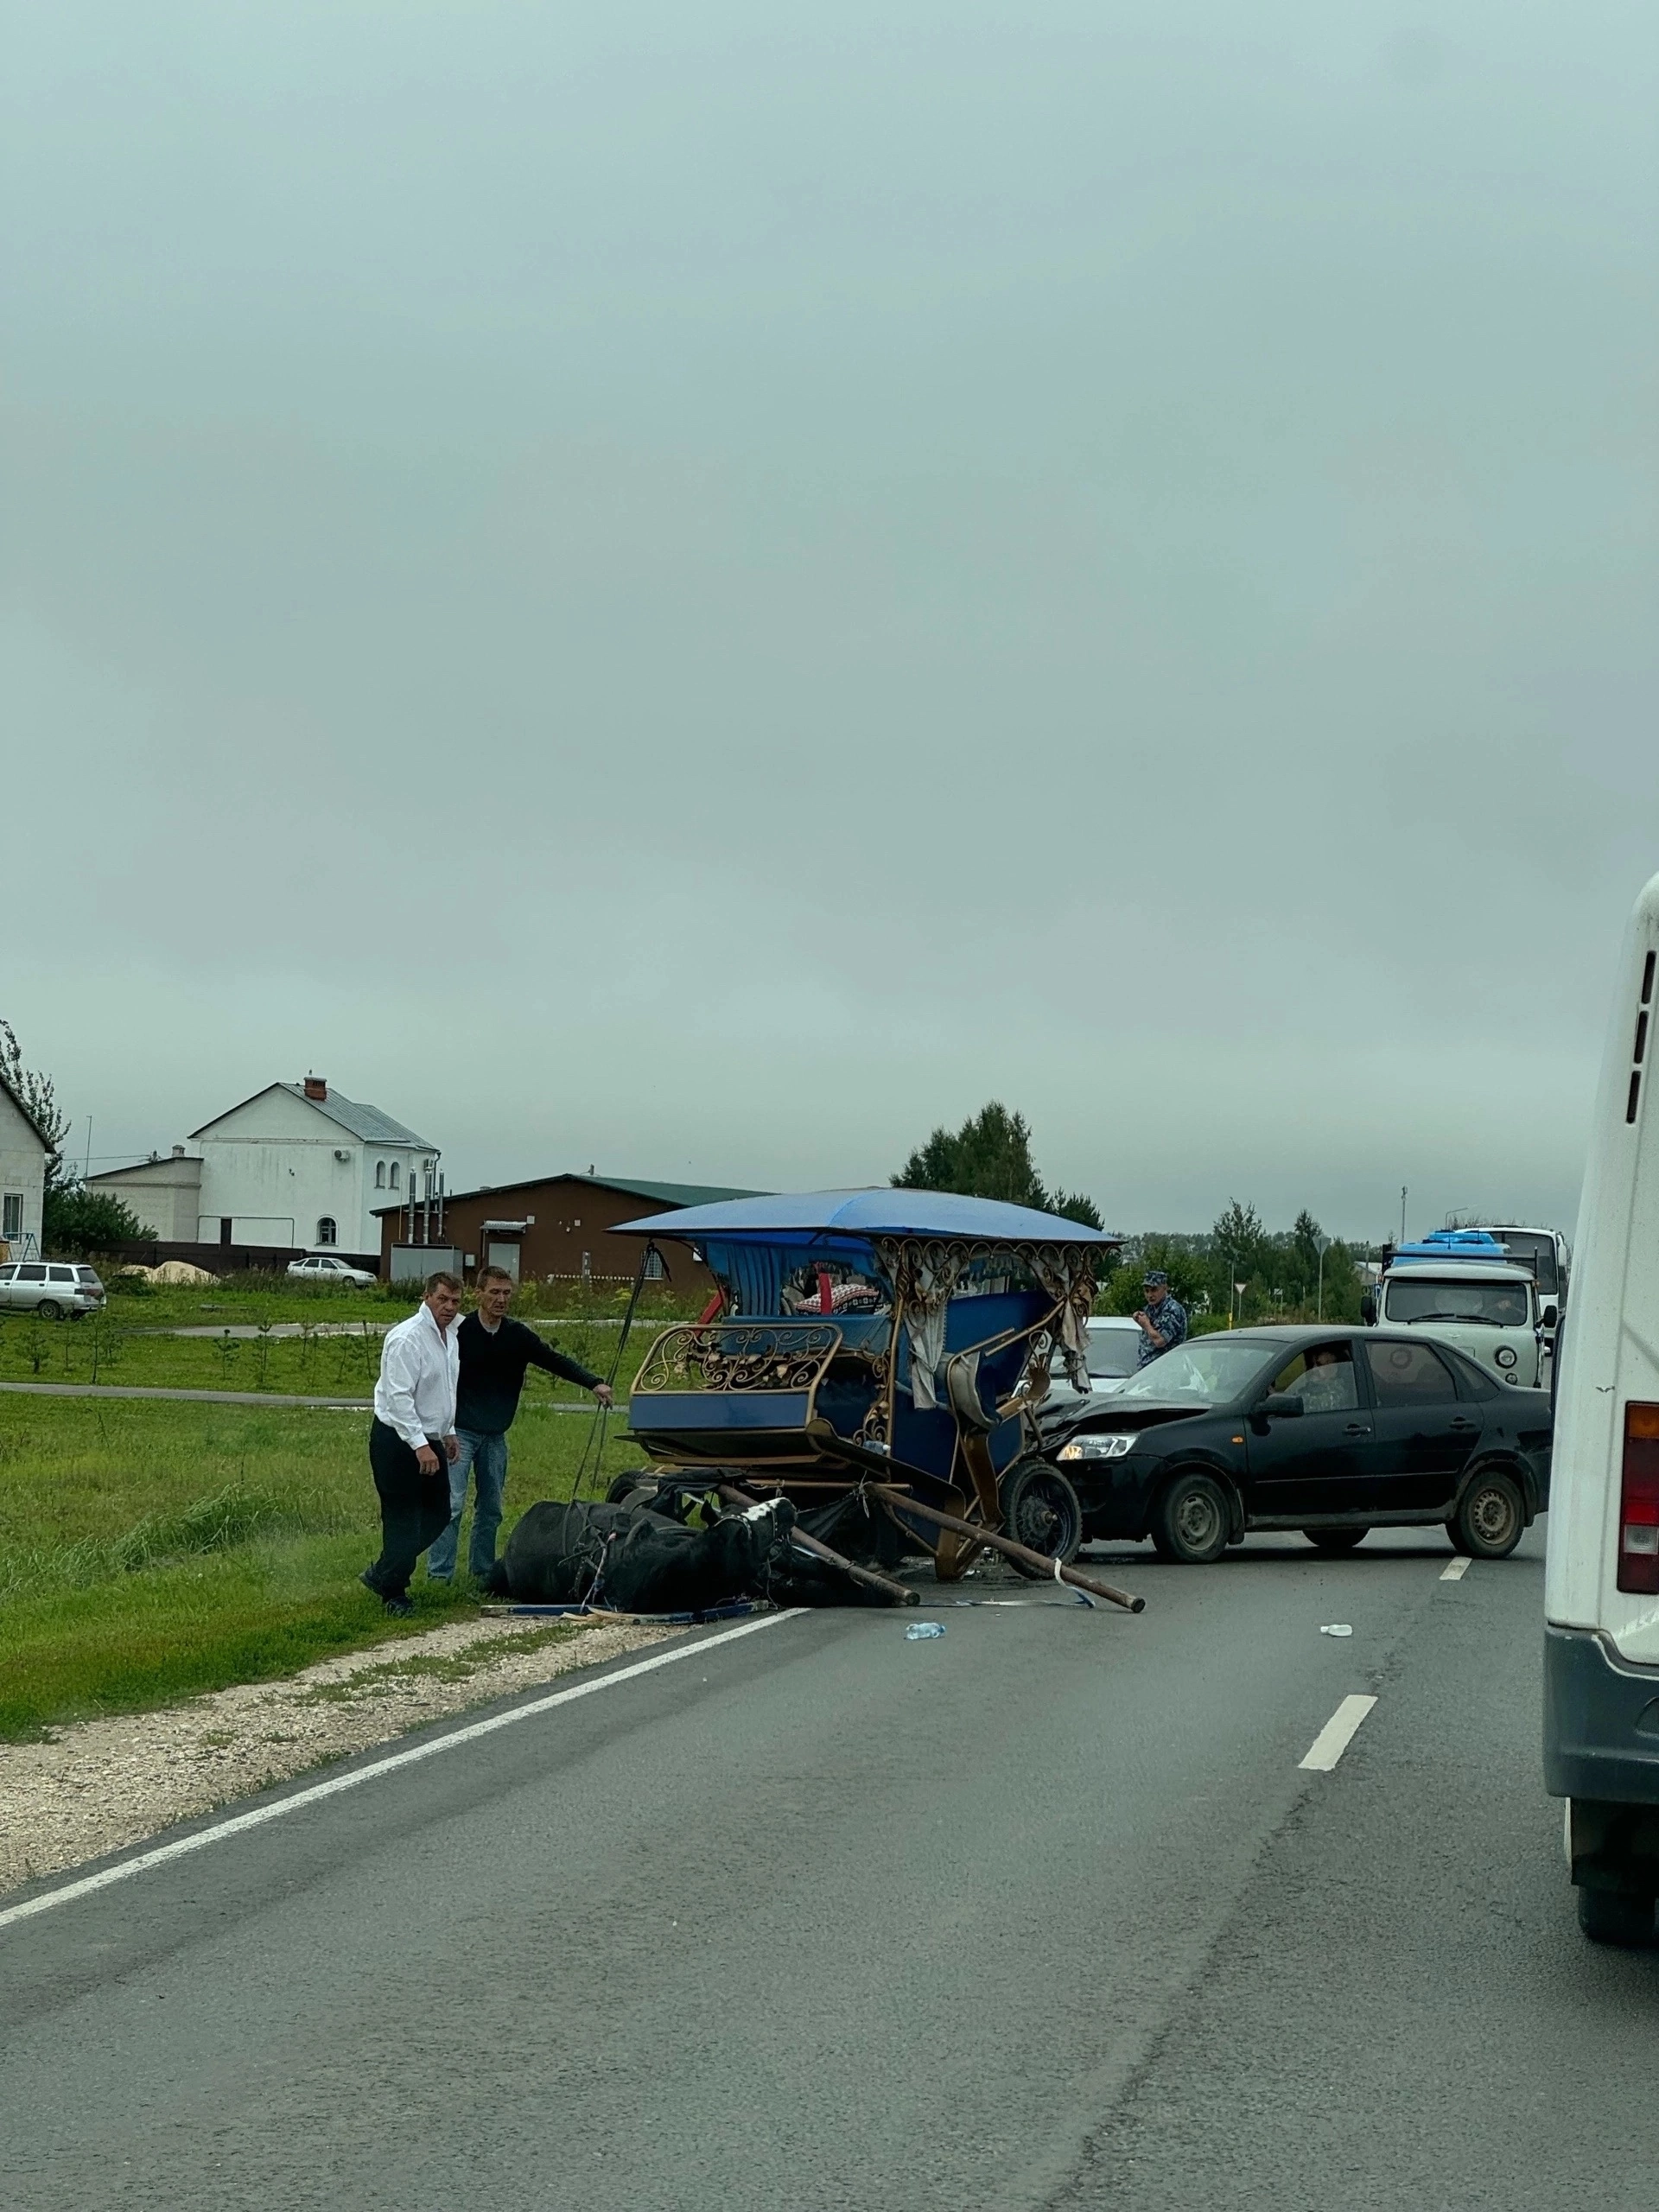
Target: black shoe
{"type": "Point", "coordinates": [401, 1606]}
{"type": "Point", "coordinates": [369, 1583]}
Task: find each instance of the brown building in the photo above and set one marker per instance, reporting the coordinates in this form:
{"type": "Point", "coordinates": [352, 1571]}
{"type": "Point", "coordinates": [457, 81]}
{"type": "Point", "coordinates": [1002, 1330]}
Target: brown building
{"type": "Point", "coordinates": [557, 1225]}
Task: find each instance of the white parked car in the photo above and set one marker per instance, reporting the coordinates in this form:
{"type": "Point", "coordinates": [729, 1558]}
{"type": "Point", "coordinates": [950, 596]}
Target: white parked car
{"type": "Point", "coordinates": [329, 1267]}
{"type": "Point", "coordinates": [55, 1289]}
{"type": "Point", "coordinates": [1113, 1353]}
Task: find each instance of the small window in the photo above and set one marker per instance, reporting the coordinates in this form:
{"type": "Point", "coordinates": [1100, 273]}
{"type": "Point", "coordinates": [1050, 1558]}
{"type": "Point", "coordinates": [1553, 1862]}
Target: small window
{"type": "Point", "coordinates": [394, 1175]}
{"type": "Point", "coordinates": [12, 1211]}
{"type": "Point", "coordinates": [655, 1271]}
{"type": "Point", "coordinates": [1409, 1375]}
{"type": "Point", "coordinates": [379, 1174]}
{"type": "Point", "coordinates": [31, 1275]}
{"type": "Point", "coordinates": [1323, 1377]}
{"type": "Point", "coordinates": [6, 1274]}
{"type": "Point", "coordinates": [60, 1274]}
{"type": "Point", "coordinates": [326, 1230]}
{"type": "Point", "coordinates": [87, 1274]}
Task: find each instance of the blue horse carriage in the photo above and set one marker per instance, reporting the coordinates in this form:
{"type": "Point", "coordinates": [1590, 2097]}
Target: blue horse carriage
{"type": "Point", "coordinates": [878, 1356]}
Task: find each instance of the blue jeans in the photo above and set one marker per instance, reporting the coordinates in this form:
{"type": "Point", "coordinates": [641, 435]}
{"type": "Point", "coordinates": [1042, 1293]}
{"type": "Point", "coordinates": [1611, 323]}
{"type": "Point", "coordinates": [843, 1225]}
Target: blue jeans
{"type": "Point", "coordinates": [484, 1457]}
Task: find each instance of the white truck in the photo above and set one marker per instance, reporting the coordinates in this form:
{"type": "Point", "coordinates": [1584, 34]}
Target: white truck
{"type": "Point", "coordinates": [1487, 1306]}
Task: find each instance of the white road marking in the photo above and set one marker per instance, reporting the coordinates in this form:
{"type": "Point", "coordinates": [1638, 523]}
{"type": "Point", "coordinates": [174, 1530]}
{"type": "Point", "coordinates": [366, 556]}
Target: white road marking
{"type": "Point", "coordinates": [1456, 1572]}
{"type": "Point", "coordinates": [470, 1734]}
{"type": "Point", "coordinates": [1336, 1735]}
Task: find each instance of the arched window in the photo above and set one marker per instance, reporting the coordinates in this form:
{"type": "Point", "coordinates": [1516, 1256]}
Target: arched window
{"type": "Point", "coordinates": [379, 1174]}
{"type": "Point", "coordinates": [326, 1231]}
{"type": "Point", "coordinates": [394, 1175]}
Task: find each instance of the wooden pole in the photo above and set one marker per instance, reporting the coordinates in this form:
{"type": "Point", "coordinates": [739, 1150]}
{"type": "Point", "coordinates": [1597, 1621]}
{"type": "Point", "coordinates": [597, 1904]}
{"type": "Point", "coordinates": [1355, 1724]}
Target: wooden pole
{"type": "Point", "coordinates": [900, 1594]}
{"type": "Point", "coordinates": [904, 1503]}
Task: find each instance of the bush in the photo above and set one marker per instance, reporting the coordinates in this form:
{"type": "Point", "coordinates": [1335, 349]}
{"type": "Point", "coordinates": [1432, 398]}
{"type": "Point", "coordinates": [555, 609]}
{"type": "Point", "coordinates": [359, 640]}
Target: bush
{"type": "Point", "coordinates": [78, 1224]}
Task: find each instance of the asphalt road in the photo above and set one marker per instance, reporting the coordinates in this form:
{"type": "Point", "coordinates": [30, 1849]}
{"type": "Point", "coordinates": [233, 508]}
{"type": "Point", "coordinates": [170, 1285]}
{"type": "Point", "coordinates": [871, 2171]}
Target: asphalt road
{"type": "Point", "coordinates": [1043, 1913]}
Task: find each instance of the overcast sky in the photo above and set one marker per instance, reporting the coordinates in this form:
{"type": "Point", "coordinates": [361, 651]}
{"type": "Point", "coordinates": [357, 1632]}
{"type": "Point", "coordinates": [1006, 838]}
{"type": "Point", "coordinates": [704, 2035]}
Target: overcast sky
{"type": "Point", "coordinates": [703, 587]}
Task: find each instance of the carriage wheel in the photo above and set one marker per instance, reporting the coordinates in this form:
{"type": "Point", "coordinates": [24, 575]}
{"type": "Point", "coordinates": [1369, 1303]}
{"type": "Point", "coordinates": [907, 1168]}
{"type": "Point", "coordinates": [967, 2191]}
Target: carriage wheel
{"type": "Point", "coordinates": [1041, 1510]}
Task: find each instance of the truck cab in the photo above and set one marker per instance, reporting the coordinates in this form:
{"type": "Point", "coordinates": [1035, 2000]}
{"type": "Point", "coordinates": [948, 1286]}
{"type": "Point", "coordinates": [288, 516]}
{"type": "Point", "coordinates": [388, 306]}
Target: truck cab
{"type": "Point", "coordinates": [1488, 1308]}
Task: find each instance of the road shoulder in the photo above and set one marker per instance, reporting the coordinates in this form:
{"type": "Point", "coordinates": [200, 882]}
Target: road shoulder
{"type": "Point", "coordinates": [103, 1785]}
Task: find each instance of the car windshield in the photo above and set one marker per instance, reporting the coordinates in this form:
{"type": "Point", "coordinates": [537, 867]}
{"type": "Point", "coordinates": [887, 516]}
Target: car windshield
{"type": "Point", "coordinates": [1113, 1353]}
{"type": "Point", "coordinates": [1489, 1304]}
{"type": "Point", "coordinates": [1208, 1370]}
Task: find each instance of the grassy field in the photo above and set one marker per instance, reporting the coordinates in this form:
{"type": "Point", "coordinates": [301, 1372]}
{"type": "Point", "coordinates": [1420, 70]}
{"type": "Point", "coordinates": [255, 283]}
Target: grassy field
{"type": "Point", "coordinates": [149, 1551]}
{"type": "Point", "coordinates": [254, 1297]}
{"type": "Point", "coordinates": [112, 1348]}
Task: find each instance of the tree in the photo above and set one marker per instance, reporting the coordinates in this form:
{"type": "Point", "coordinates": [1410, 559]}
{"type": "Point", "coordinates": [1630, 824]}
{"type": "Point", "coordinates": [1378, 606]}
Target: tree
{"type": "Point", "coordinates": [79, 1223]}
{"type": "Point", "coordinates": [989, 1157]}
{"type": "Point", "coordinates": [1188, 1272]}
{"type": "Point", "coordinates": [37, 1096]}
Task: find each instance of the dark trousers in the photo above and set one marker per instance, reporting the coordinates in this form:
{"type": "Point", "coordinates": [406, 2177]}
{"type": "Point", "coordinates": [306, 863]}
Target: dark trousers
{"type": "Point", "coordinates": [414, 1506]}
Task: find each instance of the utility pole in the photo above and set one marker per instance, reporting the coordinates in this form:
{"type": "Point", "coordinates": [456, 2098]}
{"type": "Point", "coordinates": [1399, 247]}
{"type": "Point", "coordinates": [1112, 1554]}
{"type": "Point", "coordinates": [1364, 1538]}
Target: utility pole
{"type": "Point", "coordinates": [1403, 1213]}
{"type": "Point", "coordinates": [1325, 1243]}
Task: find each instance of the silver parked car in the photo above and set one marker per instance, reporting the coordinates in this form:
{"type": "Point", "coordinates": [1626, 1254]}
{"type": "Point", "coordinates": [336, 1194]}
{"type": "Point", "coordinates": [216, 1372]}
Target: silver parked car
{"type": "Point", "coordinates": [55, 1289]}
{"type": "Point", "coordinates": [329, 1267]}
{"type": "Point", "coordinates": [1113, 1351]}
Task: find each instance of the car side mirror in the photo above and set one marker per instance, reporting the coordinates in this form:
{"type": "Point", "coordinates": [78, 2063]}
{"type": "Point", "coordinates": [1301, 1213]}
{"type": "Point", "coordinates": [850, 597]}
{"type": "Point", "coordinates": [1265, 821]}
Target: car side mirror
{"type": "Point", "coordinates": [1550, 1317]}
{"type": "Point", "coordinates": [1280, 1405]}
{"type": "Point", "coordinates": [1367, 1309]}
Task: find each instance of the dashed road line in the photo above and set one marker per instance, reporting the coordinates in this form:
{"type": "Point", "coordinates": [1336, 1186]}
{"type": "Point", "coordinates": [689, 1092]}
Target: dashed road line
{"type": "Point", "coordinates": [1336, 1735]}
{"type": "Point", "coordinates": [274, 1811]}
{"type": "Point", "coordinates": [1456, 1572]}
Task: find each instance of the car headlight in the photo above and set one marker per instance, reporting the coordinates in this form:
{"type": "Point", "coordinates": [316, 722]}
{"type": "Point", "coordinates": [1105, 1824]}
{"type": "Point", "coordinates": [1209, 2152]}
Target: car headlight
{"type": "Point", "coordinates": [1096, 1448]}
{"type": "Point", "coordinates": [1504, 1355]}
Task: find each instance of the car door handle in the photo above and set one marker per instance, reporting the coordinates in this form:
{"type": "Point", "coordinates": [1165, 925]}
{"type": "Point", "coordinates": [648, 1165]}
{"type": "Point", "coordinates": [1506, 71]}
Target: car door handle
{"type": "Point", "coordinates": [1463, 1422]}
{"type": "Point", "coordinates": [1358, 1428]}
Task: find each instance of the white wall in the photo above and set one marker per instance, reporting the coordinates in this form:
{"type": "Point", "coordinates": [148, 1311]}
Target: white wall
{"type": "Point", "coordinates": [272, 1167]}
{"type": "Point", "coordinates": [165, 1194]}
{"type": "Point", "coordinates": [23, 1170]}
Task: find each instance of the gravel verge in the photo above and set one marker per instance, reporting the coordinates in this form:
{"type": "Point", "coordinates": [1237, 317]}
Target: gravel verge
{"type": "Point", "coordinates": [104, 1784]}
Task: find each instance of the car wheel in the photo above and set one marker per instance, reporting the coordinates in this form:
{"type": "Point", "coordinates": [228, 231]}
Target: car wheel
{"type": "Point", "coordinates": [1336, 1539]}
{"type": "Point", "coordinates": [1488, 1521]}
{"type": "Point", "coordinates": [1191, 1519]}
{"type": "Point", "coordinates": [49, 1310]}
{"type": "Point", "coordinates": [1041, 1510]}
{"type": "Point", "coordinates": [1616, 1916]}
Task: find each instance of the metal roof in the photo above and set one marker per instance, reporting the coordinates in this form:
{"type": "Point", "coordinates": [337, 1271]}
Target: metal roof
{"type": "Point", "coordinates": [366, 1122]}
{"type": "Point", "coordinates": [664, 1194]}
{"type": "Point", "coordinates": [884, 1212]}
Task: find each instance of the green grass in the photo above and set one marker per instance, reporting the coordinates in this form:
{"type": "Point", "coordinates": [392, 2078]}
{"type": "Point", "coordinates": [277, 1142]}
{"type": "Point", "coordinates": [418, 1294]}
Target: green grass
{"type": "Point", "coordinates": [150, 1551]}
{"type": "Point", "coordinates": [252, 1297]}
{"type": "Point", "coordinates": [114, 1349]}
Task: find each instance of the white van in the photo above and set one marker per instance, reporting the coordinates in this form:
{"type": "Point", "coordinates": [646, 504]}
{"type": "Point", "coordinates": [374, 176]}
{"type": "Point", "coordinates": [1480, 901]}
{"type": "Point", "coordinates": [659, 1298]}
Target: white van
{"type": "Point", "coordinates": [1601, 1588]}
{"type": "Point", "coordinates": [1487, 1310]}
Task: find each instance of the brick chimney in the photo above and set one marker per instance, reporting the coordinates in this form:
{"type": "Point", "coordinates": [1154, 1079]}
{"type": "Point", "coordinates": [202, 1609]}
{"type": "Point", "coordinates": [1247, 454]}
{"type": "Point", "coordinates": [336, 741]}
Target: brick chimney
{"type": "Point", "coordinates": [317, 1088]}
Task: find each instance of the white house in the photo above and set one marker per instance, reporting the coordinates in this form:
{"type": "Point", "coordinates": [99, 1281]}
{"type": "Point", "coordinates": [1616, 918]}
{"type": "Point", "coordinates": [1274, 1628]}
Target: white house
{"type": "Point", "coordinates": [296, 1165]}
{"type": "Point", "coordinates": [22, 1177]}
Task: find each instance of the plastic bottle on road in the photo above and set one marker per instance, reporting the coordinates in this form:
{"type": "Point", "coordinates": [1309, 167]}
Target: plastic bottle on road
{"type": "Point", "coordinates": [919, 1631]}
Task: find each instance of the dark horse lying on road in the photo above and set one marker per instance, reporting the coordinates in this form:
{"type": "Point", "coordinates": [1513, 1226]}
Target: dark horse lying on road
{"type": "Point", "coordinates": [634, 1561]}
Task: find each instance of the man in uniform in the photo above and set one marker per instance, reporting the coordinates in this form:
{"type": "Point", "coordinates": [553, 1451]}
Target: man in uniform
{"type": "Point", "coordinates": [1162, 1319]}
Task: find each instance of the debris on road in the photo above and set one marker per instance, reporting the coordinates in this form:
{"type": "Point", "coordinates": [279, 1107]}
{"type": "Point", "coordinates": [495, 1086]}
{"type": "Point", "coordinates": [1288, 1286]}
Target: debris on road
{"type": "Point", "coordinates": [919, 1632]}
{"type": "Point", "coordinates": [1337, 1628]}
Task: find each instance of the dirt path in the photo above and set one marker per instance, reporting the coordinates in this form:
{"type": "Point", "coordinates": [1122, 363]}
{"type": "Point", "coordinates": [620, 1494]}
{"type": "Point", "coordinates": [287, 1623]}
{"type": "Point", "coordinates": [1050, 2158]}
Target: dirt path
{"type": "Point", "coordinates": [106, 1783]}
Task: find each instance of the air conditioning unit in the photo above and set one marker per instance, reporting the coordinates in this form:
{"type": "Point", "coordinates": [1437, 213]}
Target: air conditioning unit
{"type": "Point", "coordinates": [340, 1155]}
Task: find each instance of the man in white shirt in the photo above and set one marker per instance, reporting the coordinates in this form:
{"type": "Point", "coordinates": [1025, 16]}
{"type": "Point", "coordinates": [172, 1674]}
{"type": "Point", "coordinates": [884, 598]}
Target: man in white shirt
{"type": "Point", "coordinates": [412, 1436]}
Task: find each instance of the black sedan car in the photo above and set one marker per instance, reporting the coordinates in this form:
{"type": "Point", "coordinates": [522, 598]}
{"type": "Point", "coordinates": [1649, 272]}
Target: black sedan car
{"type": "Point", "coordinates": [1332, 1432]}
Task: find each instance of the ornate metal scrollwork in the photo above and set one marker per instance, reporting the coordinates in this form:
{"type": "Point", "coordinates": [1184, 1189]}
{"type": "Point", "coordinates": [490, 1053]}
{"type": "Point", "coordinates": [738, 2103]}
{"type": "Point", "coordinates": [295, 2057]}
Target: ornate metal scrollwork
{"type": "Point", "coordinates": [739, 1356]}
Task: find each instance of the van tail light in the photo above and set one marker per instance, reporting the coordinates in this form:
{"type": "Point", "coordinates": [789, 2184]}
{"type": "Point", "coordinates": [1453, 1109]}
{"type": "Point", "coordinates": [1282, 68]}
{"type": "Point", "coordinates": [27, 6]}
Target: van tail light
{"type": "Point", "coordinates": [1638, 1501]}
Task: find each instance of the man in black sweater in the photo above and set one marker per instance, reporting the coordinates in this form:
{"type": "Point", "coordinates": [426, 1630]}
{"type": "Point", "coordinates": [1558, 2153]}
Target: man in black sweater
{"type": "Point", "coordinates": [495, 1355]}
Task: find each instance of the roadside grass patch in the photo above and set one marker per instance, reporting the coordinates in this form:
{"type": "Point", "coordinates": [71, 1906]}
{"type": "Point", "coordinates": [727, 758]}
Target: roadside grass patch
{"type": "Point", "coordinates": [150, 1551]}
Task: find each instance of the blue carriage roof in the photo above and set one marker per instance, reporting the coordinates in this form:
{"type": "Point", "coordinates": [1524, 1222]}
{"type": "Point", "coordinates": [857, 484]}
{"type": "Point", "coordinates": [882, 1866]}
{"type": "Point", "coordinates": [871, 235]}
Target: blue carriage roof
{"type": "Point", "coordinates": [800, 1214]}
